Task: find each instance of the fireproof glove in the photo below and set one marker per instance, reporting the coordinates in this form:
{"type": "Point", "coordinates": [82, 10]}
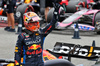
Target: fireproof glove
{"type": "Point", "coordinates": [56, 1]}
{"type": "Point", "coordinates": [56, 10]}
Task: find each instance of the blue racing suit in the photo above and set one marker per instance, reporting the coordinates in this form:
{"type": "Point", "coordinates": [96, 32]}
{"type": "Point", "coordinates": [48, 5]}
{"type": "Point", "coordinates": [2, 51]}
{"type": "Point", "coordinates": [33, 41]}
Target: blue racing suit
{"type": "Point", "coordinates": [31, 46]}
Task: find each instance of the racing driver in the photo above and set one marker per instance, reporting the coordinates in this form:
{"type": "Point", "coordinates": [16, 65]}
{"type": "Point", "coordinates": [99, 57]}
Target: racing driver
{"type": "Point", "coordinates": [30, 43]}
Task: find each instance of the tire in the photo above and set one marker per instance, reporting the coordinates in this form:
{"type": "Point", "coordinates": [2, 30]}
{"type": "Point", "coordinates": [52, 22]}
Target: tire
{"type": "Point", "coordinates": [50, 15]}
{"type": "Point", "coordinates": [58, 62]}
{"type": "Point", "coordinates": [71, 8]}
{"type": "Point", "coordinates": [24, 8]}
{"type": "Point", "coordinates": [97, 25]}
{"type": "Point", "coordinates": [21, 9]}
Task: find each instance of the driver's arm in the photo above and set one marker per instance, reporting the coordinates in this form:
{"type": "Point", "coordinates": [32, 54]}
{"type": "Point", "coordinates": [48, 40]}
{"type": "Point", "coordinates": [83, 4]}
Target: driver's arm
{"type": "Point", "coordinates": [46, 30]}
{"type": "Point", "coordinates": [18, 50]}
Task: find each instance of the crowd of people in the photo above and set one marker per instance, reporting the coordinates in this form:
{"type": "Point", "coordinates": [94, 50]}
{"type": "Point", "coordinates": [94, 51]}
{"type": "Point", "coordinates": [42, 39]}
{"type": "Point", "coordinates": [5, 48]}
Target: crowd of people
{"type": "Point", "coordinates": [10, 4]}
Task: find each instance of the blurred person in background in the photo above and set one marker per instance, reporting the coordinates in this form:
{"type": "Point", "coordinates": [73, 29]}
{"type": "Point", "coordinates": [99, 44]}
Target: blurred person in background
{"type": "Point", "coordinates": [48, 6]}
{"type": "Point", "coordinates": [10, 14]}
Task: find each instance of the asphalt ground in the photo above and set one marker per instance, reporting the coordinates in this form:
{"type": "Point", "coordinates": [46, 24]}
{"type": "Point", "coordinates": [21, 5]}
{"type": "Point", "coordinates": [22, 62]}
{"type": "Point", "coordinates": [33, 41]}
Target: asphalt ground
{"type": "Point", "coordinates": [8, 41]}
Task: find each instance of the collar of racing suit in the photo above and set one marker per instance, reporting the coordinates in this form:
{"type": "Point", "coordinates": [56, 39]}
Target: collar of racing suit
{"type": "Point", "coordinates": [29, 32]}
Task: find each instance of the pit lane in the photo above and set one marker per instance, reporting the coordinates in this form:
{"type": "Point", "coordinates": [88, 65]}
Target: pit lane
{"type": "Point", "coordinates": [8, 41]}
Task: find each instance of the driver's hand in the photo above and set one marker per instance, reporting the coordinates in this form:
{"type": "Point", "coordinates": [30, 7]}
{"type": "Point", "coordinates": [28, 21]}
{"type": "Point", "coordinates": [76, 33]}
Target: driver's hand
{"type": "Point", "coordinates": [56, 7]}
{"type": "Point", "coordinates": [56, 10]}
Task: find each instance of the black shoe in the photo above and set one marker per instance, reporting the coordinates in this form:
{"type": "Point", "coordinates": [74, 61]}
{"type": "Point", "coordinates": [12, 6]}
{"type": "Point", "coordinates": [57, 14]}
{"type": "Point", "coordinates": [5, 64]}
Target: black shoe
{"type": "Point", "coordinates": [11, 30]}
{"type": "Point", "coordinates": [6, 28]}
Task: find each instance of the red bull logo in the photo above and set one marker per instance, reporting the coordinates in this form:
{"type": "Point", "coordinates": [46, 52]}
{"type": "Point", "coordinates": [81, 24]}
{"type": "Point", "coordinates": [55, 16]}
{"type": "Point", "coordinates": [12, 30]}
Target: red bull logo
{"type": "Point", "coordinates": [34, 52]}
{"type": "Point", "coordinates": [34, 47]}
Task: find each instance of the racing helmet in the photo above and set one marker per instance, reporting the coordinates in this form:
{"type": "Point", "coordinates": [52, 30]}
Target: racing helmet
{"type": "Point", "coordinates": [31, 21]}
